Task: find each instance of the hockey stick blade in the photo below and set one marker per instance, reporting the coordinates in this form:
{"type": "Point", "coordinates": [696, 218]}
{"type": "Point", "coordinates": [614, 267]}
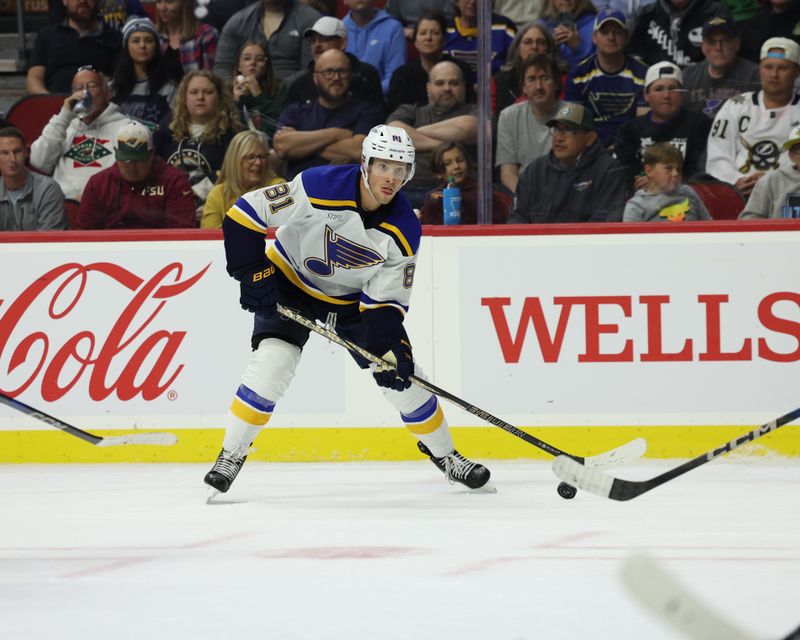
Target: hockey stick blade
{"type": "Point", "coordinates": [163, 439]}
{"type": "Point", "coordinates": [590, 479]}
{"type": "Point", "coordinates": [658, 591]}
{"type": "Point", "coordinates": [617, 456]}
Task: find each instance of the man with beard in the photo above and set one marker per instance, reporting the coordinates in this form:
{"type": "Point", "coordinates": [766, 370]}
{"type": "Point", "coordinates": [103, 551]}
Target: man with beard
{"type": "Point", "coordinates": [330, 33]}
{"type": "Point", "coordinates": [446, 118]}
{"type": "Point", "coordinates": [61, 49]}
{"type": "Point", "coordinates": [330, 129]}
{"type": "Point", "coordinates": [281, 23]}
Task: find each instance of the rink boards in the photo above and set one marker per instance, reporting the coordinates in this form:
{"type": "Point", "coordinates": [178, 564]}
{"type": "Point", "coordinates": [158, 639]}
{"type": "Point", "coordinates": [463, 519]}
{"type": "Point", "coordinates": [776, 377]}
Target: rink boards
{"type": "Point", "coordinates": [684, 336]}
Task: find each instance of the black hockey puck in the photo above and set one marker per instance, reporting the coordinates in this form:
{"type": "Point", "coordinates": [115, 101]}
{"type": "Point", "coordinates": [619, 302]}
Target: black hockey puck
{"type": "Point", "coordinates": [566, 491]}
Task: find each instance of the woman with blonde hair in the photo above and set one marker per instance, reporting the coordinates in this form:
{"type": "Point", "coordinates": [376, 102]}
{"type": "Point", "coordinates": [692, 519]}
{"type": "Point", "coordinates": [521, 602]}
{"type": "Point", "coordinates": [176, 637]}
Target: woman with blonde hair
{"type": "Point", "coordinates": [203, 123]}
{"type": "Point", "coordinates": [259, 94]}
{"type": "Point", "coordinates": [245, 168]}
{"type": "Point", "coordinates": [186, 43]}
{"type": "Point", "coordinates": [571, 22]}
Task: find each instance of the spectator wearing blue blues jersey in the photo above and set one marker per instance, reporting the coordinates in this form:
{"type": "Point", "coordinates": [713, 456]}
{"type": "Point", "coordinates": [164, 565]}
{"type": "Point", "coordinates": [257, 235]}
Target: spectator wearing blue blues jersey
{"type": "Point", "coordinates": [609, 82]}
{"type": "Point", "coordinates": [572, 24]}
{"type": "Point", "coordinates": [462, 37]}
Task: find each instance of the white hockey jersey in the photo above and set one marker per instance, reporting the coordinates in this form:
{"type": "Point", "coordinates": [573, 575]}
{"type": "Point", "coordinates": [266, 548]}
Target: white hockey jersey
{"type": "Point", "coordinates": [327, 244]}
{"type": "Point", "coordinates": [746, 137]}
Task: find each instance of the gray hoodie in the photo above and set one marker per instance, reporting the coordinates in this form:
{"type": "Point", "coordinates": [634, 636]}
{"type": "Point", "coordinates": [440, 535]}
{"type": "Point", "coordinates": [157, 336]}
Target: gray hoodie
{"type": "Point", "coordinates": [288, 50]}
{"type": "Point", "coordinates": [680, 205]}
{"type": "Point", "coordinates": [776, 195]}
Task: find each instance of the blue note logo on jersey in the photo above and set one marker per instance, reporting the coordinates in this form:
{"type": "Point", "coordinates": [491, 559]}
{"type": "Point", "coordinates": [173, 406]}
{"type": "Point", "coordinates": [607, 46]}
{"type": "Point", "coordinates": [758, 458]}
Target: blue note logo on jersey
{"type": "Point", "coordinates": [344, 253]}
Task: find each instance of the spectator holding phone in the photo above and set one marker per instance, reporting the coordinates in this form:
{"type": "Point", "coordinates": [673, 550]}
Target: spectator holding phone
{"type": "Point", "coordinates": [572, 24]}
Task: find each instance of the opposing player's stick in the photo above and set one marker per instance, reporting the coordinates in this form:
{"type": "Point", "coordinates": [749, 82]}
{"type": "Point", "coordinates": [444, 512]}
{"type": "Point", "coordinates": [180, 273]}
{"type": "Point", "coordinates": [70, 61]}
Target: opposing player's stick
{"type": "Point", "coordinates": [108, 441]}
{"type": "Point", "coordinates": [624, 453]}
{"type": "Point", "coordinates": [617, 489]}
{"type": "Point", "coordinates": [658, 591]}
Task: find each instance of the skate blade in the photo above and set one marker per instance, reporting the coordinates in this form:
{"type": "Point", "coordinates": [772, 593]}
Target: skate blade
{"type": "Point", "coordinates": [212, 493]}
{"type": "Point", "coordinates": [487, 488]}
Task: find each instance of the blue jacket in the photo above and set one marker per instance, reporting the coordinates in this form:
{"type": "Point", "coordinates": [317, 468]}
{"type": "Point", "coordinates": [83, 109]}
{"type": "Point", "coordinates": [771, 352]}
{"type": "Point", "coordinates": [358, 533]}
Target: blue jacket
{"type": "Point", "coordinates": [380, 43]}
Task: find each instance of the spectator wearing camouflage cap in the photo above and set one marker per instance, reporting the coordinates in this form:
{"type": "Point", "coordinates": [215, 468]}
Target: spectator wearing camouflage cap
{"type": "Point", "coordinates": [577, 181]}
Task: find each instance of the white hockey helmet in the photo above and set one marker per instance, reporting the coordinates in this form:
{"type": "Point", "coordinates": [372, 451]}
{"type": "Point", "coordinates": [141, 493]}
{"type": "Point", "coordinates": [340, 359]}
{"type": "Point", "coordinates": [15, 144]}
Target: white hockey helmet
{"type": "Point", "coordinates": [388, 143]}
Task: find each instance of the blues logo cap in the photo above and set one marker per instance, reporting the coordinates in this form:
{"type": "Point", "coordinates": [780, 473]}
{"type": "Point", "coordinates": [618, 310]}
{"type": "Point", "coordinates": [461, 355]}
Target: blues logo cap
{"type": "Point", "coordinates": [134, 142]}
{"type": "Point", "coordinates": [610, 15]}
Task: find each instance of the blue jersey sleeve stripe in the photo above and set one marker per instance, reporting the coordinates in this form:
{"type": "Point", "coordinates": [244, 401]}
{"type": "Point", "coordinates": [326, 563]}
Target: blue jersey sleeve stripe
{"type": "Point", "coordinates": [398, 237]}
{"type": "Point", "coordinates": [246, 208]}
{"type": "Point", "coordinates": [243, 220]}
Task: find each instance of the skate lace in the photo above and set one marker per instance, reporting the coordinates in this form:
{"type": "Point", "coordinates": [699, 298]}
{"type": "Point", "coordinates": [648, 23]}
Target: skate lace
{"type": "Point", "coordinates": [229, 463]}
{"type": "Point", "coordinates": [457, 467]}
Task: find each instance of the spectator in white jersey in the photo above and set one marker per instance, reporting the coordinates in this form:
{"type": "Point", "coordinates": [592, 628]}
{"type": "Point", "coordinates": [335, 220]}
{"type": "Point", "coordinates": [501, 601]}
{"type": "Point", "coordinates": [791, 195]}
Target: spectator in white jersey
{"type": "Point", "coordinates": [722, 74]}
{"type": "Point", "coordinates": [777, 195]}
{"type": "Point", "coordinates": [345, 252]}
{"type": "Point", "coordinates": [74, 146]}
{"type": "Point", "coordinates": [522, 130]}
{"type": "Point", "coordinates": [747, 134]}
{"type": "Point", "coordinates": [666, 122]}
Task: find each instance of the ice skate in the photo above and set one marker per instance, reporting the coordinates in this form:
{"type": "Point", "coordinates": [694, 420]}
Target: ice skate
{"type": "Point", "coordinates": [457, 468]}
{"type": "Point", "coordinates": [225, 470]}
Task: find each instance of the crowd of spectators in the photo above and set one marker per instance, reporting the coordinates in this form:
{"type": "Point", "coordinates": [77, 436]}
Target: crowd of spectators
{"type": "Point", "coordinates": [602, 111]}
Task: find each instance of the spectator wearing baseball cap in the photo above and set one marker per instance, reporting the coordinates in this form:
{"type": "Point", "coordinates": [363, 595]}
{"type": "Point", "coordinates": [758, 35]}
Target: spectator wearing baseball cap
{"type": "Point", "coordinates": [140, 191]}
{"type": "Point", "coordinates": [667, 121]}
{"type": "Point", "coordinates": [775, 18]}
{"type": "Point", "coordinates": [609, 83]}
{"type": "Point", "coordinates": [668, 30]}
{"type": "Point", "coordinates": [777, 194]}
{"type": "Point", "coordinates": [325, 34]}
{"type": "Point", "coordinates": [722, 74]}
{"type": "Point", "coordinates": [577, 181]}
{"type": "Point", "coordinates": [748, 131]}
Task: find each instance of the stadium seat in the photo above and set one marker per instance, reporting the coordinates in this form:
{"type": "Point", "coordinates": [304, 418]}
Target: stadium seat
{"type": "Point", "coordinates": [72, 207]}
{"type": "Point", "coordinates": [31, 113]}
{"type": "Point", "coordinates": [723, 200]}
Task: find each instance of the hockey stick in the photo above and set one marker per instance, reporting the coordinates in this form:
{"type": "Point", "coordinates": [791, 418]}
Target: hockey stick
{"type": "Point", "coordinates": [620, 455]}
{"type": "Point", "coordinates": [108, 441]}
{"type": "Point", "coordinates": [657, 590]}
{"type": "Point", "coordinates": [617, 489]}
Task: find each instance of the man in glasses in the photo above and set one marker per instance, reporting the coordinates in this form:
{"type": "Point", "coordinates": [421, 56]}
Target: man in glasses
{"type": "Point", "coordinates": [330, 33]}
{"type": "Point", "coordinates": [667, 121]}
{"type": "Point", "coordinates": [60, 49]}
{"type": "Point", "coordinates": [74, 146]}
{"type": "Point", "coordinates": [578, 181]}
{"type": "Point", "coordinates": [722, 74]}
{"type": "Point", "coordinates": [330, 129]}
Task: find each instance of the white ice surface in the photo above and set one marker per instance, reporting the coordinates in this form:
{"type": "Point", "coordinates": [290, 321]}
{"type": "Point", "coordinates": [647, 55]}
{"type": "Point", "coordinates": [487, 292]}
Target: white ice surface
{"type": "Point", "coordinates": [383, 550]}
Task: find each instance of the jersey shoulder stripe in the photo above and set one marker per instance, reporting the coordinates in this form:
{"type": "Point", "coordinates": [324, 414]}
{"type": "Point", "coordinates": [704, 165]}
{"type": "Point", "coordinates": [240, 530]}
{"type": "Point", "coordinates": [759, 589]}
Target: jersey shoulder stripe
{"type": "Point", "coordinates": [403, 226]}
{"type": "Point", "coordinates": [331, 187]}
{"type": "Point", "coordinates": [244, 213]}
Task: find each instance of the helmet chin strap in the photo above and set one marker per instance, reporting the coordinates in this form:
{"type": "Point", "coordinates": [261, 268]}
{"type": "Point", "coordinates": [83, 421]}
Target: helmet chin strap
{"type": "Point", "coordinates": [364, 172]}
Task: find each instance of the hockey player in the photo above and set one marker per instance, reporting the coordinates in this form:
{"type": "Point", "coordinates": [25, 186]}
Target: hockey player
{"type": "Point", "coordinates": [749, 129]}
{"type": "Point", "coordinates": [345, 249]}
